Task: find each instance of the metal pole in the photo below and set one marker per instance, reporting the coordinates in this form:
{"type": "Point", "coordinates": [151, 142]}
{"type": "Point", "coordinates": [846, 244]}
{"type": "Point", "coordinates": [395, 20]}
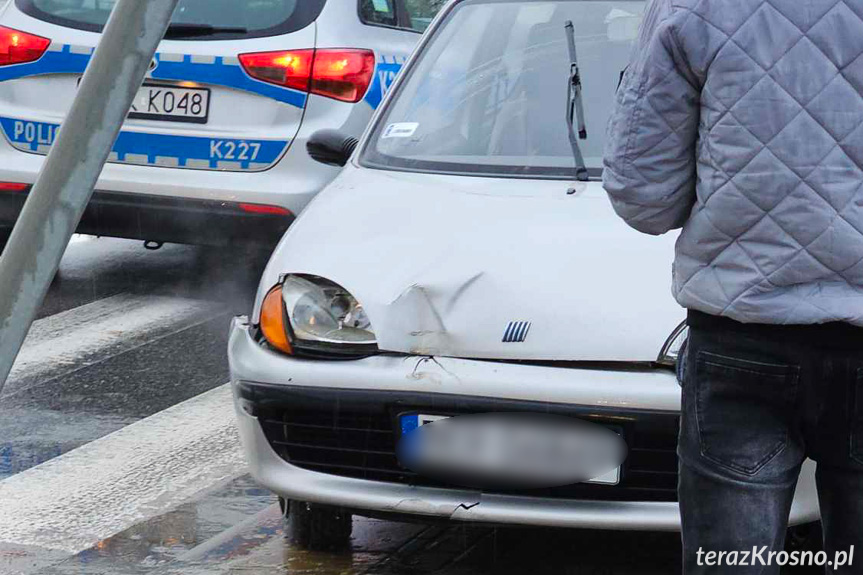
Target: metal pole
{"type": "Point", "coordinates": [71, 170]}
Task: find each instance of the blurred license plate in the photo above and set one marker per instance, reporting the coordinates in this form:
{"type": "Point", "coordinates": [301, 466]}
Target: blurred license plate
{"type": "Point", "coordinates": [412, 421]}
{"type": "Point", "coordinates": [172, 104]}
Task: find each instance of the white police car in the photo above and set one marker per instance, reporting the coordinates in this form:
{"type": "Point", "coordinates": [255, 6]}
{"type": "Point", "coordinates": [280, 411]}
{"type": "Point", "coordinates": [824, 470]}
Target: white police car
{"type": "Point", "coordinates": [213, 151]}
{"type": "Point", "coordinates": [483, 270]}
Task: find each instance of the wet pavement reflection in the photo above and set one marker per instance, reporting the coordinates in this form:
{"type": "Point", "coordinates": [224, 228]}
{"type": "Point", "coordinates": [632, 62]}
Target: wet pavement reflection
{"type": "Point", "coordinates": [153, 544]}
{"type": "Point", "coordinates": [61, 403]}
{"type": "Point", "coordinates": [238, 529]}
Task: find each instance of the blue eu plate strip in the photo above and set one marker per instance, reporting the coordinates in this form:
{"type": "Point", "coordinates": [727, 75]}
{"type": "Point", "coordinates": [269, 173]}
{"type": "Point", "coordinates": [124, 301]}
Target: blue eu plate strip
{"type": "Point", "coordinates": [409, 423]}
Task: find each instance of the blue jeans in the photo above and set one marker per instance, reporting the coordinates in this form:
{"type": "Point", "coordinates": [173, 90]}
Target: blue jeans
{"type": "Point", "coordinates": [758, 400]}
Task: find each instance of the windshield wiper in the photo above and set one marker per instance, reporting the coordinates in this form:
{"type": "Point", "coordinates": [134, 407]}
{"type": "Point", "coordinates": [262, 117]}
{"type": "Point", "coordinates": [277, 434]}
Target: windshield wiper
{"type": "Point", "coordinates": [575, 106]}
{"type": "Point", "coordinates": [196, 30]}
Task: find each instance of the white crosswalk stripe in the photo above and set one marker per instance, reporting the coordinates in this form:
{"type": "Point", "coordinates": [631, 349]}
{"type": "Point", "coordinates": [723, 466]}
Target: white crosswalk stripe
{"type": "Point", "coordinates": [87, 334]}
{"type": "Point", "coordinates": [78, 499]}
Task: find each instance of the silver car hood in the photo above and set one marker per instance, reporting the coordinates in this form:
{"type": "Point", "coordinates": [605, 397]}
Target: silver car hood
{"type": "Point", "coordinates": [444, 264]}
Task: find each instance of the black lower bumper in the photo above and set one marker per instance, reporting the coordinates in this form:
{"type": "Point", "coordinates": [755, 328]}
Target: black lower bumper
{"type": "Point", "coordinates": [353, 433]}
{"type": "Point", "coordinates": [164, 219]}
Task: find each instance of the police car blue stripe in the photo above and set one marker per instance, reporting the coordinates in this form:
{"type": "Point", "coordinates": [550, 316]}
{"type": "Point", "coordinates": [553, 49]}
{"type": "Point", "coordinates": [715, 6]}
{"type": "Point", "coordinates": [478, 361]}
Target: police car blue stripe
{"type": "Point", "coordinates": [63, 62]}
{"type": "Point", "coordinates": [228, 75]}
{"type": "Point", "coordinates": [385, 74]}
{"type": "Point", "coordinates": [133, 147]}
{"type": "Point", "coordinates": [217, 73]}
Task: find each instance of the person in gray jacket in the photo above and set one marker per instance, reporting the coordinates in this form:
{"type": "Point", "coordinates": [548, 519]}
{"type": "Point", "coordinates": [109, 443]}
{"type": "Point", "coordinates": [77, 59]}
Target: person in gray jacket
{"type": "Point", "coordinates": [742, 123]}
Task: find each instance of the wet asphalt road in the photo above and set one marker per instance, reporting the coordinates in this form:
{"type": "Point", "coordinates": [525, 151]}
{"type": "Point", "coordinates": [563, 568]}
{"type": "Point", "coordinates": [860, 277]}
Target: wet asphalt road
{"type": "Point", "coordinates": [82, 398]}
{"type": "Point", "coordinates": [126, 333]}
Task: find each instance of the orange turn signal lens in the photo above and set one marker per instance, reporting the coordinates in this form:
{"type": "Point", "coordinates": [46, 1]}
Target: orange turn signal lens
{"type": "Point", "coordinates": [273, 321]}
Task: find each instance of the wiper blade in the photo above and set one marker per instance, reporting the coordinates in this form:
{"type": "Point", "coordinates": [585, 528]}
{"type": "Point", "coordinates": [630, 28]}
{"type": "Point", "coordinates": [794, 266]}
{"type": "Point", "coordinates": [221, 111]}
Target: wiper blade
{"type": "Point", "coordinates": [575, 106]}
{"type": "Point", "coordinates": [190, 30]}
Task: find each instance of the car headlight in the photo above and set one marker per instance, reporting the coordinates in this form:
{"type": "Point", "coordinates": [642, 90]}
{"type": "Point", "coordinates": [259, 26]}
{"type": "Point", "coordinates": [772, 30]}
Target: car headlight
{"type": "Point", "coordinates": [671, 349]}
{"type": "Point", "coordinates": [312, 315]}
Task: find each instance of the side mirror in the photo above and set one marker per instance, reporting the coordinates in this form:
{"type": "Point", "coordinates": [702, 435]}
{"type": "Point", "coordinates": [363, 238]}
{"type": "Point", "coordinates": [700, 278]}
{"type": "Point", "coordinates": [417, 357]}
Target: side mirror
{"type": "Point", "coordinates": [331, 147]}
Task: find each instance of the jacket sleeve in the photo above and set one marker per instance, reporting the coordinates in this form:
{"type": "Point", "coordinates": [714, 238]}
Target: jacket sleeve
{"type": "Point", "coordinates": [649, 164]}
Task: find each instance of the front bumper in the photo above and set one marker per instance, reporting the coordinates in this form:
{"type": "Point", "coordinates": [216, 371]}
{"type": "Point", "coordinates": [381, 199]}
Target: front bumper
{"type": "Point", "coordinates": [643, 393]}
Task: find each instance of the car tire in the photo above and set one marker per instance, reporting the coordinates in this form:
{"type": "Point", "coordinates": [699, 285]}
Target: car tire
{"type": "Point", "coordinates": [318, 527]}
{"type": "Point", "coordinates": [808, 537]}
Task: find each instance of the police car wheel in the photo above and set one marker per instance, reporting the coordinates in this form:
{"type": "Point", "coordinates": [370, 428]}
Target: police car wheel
{"type": "Point", "coordinates": [318, 527]}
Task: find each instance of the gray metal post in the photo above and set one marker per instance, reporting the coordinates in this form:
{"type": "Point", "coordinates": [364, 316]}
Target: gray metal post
{"type": "Point", "coordinates": [65, 184]}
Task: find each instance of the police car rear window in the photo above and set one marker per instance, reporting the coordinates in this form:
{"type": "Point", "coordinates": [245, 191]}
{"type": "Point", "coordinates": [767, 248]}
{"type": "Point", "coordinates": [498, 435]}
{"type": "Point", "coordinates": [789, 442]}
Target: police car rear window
{"type": "Point", "coordinates": [193, 20]}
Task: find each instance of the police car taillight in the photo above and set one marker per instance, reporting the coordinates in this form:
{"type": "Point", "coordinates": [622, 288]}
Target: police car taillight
{"type": "Point", "coordinates": [343, 74]}
{"type": "Point", "coordinates": [13, 187]}
{"type": "Point", "coordinates": [264, 209]}
{"type": "Point", "coordinates": [291, 69]}
{"type": "Point", "coordinates": [18, 47]}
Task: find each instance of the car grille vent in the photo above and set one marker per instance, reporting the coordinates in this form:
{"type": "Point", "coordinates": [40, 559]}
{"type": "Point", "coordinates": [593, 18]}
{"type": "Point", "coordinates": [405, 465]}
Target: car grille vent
{"type": "Point", "coordinates": [362, 445]}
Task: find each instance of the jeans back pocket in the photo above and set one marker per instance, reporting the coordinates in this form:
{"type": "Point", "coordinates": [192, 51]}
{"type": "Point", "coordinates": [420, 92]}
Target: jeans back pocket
{"type": "Point", "coordinates": [743, 410]}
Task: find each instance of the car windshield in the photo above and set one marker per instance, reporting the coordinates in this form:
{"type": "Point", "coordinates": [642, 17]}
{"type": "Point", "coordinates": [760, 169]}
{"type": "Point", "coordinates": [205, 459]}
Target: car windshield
{"type": "Point", "coordinates": [488, 94]}
{"type": "Point", "coordinates": [225, 17]}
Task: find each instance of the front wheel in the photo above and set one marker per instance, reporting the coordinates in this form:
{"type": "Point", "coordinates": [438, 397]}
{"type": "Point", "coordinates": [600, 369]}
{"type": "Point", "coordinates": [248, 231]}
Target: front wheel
{"type": "Point", "coordinates": [318, 527]}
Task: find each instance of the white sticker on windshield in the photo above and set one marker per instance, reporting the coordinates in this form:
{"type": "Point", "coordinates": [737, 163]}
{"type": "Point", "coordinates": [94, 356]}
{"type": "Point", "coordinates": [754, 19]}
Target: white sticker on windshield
{"type": "Point", "coordinates": [380, 5]}
{"type": "Point", "coordinates": [400, 130]}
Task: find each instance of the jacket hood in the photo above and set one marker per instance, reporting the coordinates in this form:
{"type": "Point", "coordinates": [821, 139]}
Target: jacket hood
{"type": "Point", "coordinates": [444, 264]}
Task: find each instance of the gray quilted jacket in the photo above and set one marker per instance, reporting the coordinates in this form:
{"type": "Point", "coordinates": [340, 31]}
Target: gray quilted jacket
{"type": "Point", "coordinates": [742, 122]}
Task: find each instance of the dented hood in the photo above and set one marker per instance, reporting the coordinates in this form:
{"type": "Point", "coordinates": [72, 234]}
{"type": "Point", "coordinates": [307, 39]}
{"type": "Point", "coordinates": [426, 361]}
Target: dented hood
{"type": "Point", "coordinates": [443, 264]}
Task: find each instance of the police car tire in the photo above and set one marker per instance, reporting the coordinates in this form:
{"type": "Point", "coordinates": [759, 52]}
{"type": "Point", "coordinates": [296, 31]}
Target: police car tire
{"type": "Point", "coordinates": [318, 527]}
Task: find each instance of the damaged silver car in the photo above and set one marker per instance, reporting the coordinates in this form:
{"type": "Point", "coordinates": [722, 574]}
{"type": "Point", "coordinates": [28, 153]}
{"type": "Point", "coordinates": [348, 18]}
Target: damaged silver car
{"type": "Point", "coordinates": [467, 260]}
